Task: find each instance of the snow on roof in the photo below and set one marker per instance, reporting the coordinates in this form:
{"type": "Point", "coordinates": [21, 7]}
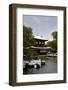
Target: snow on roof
{"type": "Point", "coordinates": [40, 37]}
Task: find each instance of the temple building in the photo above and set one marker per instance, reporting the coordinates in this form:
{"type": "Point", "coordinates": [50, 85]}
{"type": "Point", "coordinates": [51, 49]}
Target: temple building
{"type": "Point", "coordinates": [41, 45]}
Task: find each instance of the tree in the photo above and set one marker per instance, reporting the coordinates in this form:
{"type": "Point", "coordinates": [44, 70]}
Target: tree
{"type": "Point", "coordinates": [53, 43]}
{"type": "Point", "coordinates": [27, 36]}
{"type": "Point", "coordinates": [28, 41]}
{"type": "Point", "coordinates": [30, 54]}
{"type": "Point", "coordinates": [54, 34]}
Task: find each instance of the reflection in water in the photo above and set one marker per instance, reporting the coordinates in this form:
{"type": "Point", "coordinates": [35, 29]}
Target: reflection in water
{"type": "Point", "coordinates": [49, 67]}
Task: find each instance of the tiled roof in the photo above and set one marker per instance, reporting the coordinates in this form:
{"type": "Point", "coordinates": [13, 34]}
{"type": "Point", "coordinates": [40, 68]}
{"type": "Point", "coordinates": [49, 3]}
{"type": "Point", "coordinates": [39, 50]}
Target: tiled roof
{"type": "Point", "coordinates": [40, 37]}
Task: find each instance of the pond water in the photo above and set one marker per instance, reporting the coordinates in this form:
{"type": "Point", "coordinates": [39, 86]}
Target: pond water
{"type": "Point", "coordinates": [49, 67]}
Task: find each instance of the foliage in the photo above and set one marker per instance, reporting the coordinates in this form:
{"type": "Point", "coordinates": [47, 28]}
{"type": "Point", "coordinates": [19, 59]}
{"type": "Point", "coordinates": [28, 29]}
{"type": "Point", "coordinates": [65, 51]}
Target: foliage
{"type": "Point", "coordinates": [54, 34]}
{"type": "Point", "coordinates": [27, 36]}
{"type": "Point", "coordinates": [53, 43]}
{"type": "Point", "coordinates": [30, 54]}
{"type": "Point", "coordinates": [27, 42]}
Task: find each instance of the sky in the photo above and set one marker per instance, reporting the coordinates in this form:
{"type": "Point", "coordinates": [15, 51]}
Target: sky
{"type": "Point", "coordinates": [41, 25]}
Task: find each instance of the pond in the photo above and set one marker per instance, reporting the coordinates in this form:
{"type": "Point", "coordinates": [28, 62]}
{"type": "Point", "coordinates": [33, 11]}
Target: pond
{"type": "Point", "coordinates": [49, 67]}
